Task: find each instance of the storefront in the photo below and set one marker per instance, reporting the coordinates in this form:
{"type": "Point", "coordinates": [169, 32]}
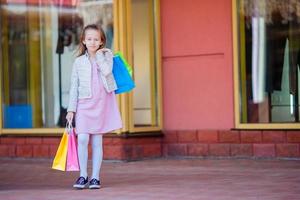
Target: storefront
{"type": "Point", "coordinates": [222, 75]}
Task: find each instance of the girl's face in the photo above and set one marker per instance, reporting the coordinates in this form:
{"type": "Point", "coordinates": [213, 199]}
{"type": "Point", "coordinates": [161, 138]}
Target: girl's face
{"type": "Point", "coordinates": [92, 40]}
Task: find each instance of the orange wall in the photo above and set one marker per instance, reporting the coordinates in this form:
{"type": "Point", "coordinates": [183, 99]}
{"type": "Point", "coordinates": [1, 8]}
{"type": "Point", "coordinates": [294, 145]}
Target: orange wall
{"type": "Point", "coordinates": [197, 64]}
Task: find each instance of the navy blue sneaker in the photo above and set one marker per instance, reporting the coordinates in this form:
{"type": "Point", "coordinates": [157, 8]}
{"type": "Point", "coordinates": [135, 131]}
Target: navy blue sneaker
{"type": "Point", "coordinates": [94, 184]}
{"type": "Point", "coordinates": [81, 182]}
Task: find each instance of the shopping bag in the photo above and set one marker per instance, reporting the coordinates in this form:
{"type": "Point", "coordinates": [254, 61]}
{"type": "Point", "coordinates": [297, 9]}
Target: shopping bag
{"type": "Point", "coordinates": [72, 156]}
{"type": "Point", "coordinates": [60, 158]}
{"type": "Point", "coordinates": [121, 71]}
{"type": "Point", "coordinates": [128, 67]}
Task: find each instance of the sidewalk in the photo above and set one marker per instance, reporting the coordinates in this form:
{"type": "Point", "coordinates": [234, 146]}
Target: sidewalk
{"type": "Point", "coordinates": [156, 179]}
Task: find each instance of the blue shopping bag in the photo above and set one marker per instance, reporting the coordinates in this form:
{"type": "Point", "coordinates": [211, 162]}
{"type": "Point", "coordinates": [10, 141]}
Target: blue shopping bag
{"type": "Point", "coordinates": [122, 75]}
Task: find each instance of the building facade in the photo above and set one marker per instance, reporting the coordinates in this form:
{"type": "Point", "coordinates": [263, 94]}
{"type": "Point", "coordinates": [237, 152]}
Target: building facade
{"type": "Point", "coordinates": [214, 78]}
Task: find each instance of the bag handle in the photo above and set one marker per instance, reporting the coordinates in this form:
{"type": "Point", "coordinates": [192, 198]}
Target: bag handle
{"type": "Point", "coordinates": [69, 126]}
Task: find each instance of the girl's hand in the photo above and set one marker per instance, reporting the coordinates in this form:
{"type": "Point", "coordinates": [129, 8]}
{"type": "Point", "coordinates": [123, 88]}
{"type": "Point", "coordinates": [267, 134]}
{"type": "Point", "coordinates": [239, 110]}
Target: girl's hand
{"type": "Point", "coordinates": [104, 50]}
{"type": "Point", "coordinates": [70, 116]}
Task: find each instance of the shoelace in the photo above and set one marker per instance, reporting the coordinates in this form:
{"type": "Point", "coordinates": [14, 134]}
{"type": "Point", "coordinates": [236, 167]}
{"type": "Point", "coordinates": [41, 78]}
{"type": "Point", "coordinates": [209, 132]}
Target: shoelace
{"type": "Point", "coordinates": [81, 180]}
{"type": "Point", "coordinates": [95, 182]}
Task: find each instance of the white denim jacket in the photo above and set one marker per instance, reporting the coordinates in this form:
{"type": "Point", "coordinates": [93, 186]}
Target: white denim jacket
{"type": "Point", "coordinates": [82, 74]}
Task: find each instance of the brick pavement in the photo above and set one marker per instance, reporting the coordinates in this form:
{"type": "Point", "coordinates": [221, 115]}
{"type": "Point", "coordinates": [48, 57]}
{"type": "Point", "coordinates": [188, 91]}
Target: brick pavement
{"type": "Point", "coordinates": [156, 179]}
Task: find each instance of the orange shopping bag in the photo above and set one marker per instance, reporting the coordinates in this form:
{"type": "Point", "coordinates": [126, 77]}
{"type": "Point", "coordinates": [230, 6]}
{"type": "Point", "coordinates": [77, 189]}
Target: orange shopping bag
{"type": "Point", "coordinates": [60, 158]}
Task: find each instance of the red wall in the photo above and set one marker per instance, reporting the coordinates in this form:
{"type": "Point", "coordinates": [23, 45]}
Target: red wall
{"type": "Point", "coordinates": [197, 64]}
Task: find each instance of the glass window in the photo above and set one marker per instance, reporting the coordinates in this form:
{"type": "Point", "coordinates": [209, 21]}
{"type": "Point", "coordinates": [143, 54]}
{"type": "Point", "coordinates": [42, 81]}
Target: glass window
{"type": "Point", "coordinates": [269, 59]}
{"type": "Point", "coordinates": [38, 45]}
{"type": "Point", "coordinates": [145, 95]}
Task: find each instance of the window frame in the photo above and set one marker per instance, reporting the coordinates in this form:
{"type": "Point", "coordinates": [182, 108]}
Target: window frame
{"type": "Point", "coordinates": [124, 44]}
{"type": "Point", "coordinates": [122, 37]}
{"type": "Point", "coordinates": [238, 84]}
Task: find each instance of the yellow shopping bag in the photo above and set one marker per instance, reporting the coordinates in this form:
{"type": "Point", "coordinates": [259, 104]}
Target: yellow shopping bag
{"type": "Point", "coordinates": [60, 158]}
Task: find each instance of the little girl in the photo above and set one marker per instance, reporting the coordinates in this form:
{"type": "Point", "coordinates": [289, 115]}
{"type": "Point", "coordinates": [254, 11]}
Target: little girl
{"type": "Point", "coordinates": [92, 101]}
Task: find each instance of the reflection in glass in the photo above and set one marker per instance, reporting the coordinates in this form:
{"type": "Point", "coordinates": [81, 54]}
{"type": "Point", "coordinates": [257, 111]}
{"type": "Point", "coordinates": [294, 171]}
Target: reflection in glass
{"type": "Point", "coordinates": [38, 46]}
{"type": "Point", "coordinates": [269, 60]}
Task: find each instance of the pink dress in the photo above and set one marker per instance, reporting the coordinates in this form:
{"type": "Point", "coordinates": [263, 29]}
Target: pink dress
{"type": "Point", "coordinates": [100, 113]}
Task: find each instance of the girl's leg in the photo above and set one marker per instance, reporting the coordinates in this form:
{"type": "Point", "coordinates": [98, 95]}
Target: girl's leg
{"type": "Point", "coordinates": [97, 154]}
{"type": "Point", "coordinates": [83, 141]}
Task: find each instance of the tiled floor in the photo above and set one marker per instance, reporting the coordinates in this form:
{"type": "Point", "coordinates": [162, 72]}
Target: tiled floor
{"type": "Point", "coordinates": [156, 179]}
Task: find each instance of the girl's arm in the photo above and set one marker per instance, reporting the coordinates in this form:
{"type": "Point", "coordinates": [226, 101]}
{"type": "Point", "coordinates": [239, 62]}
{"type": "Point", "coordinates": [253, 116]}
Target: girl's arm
{"type": "Point", "coordinates": [104, 58]}
{"type": "Point", "coordinates": [73, 94]}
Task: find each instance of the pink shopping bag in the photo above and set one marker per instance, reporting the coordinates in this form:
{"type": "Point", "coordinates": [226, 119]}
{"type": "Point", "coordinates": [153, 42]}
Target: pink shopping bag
{"type": "Point", "coordinates": [72, 156]}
